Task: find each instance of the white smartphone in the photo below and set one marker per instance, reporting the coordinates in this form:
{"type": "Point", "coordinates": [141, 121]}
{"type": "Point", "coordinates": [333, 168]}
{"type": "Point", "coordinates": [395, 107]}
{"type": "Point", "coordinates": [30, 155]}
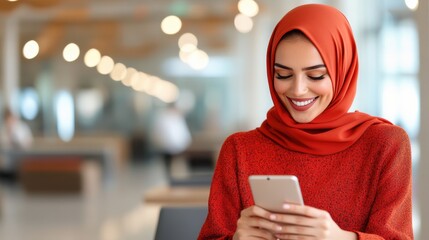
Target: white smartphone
{"type": "Point", "coordinates": [272, 191]}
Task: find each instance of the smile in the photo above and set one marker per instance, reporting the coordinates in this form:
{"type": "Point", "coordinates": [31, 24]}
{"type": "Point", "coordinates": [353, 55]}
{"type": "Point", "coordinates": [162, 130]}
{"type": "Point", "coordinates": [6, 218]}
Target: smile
{"type": "Point", "coordinates": [302, 104]}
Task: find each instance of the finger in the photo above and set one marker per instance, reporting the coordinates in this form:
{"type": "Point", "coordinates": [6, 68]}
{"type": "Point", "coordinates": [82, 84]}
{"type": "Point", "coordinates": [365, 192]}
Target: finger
{"type": "Point", "coordinates": [296, 220]}
{"type": "Point", "coordinates": [303, 225]}
{"type": "Point", "coordinates": [298, 230]}
{"type": "Point", "coordinates": [294, 237]}
{"type": "Point", "coordinates": [256, 211]}
{"type": "Point", "coordinates": [246, 232]}
{"type": "Point", "coordinates": [304, 210]}
{"type": "Point", "coordinates": [260, 223]}
{"type": "Point", "coordinates": [256, 217]}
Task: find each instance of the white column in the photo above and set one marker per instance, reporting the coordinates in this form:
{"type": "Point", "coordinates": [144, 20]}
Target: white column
{"type": "Point", "coordinates": [11, 62]}
{"type": "Point", "coordinates": [423, 176]}
{"type": "Point", "coordinates": [258, 99]}
{"type": "Point", "coordinates": [250, 84]}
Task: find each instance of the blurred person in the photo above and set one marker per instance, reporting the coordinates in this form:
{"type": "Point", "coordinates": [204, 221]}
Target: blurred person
{"type": "Point", "coordinates": [170, 132]}
{"type": "Point", "coordinates": [354, 169]}
{"type": "Point", "coordinates": [15, 135]}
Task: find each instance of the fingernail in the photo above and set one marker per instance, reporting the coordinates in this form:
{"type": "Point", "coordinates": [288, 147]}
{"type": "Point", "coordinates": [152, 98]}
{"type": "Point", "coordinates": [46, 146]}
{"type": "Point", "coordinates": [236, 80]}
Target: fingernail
{"type": "Point", "coordinates": [273, 217]}
{"type": "Point", "coordinates": [286, 206]}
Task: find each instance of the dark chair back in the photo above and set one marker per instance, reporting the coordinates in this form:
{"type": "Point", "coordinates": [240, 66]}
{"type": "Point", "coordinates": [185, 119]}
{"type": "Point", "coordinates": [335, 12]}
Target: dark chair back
{"type": "Point", "coordinates": [180, 223]}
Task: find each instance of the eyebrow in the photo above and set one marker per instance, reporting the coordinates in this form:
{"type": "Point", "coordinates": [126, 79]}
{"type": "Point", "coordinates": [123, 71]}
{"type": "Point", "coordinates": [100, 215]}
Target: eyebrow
{"type": "Point", "coordinates": [305, 69]}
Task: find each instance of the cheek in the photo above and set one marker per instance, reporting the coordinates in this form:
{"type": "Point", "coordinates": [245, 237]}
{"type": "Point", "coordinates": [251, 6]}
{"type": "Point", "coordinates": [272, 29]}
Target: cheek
{"type": "Point", "coordinates": [280, 86]}
{"type": "Point", "coordinates": [325, 89]}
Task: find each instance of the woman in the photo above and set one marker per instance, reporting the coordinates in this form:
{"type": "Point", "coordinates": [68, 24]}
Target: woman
{"type": "Point", "coordinates": [354, 169]}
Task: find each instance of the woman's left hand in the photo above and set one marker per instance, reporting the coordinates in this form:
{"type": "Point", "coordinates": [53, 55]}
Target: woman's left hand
{"type": "Point", "coordinates": [304, 222]}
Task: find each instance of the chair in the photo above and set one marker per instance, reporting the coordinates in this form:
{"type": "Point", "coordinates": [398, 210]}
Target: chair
{"type": "Point", "coordinates": [180, 222]}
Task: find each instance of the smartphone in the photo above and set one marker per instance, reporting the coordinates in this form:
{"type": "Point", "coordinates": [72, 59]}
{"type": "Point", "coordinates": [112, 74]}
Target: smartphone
{"type": "Point", "coordinates": [272, 191]}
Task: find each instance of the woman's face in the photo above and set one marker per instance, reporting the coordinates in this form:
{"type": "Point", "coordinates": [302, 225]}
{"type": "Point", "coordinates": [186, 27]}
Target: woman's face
{"type": "Point", "coordinates": [301, 79]}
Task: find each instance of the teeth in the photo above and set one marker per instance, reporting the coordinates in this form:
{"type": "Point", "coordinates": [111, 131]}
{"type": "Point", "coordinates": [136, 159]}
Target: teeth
{"type": "Point", "coordinates": [302, 103]}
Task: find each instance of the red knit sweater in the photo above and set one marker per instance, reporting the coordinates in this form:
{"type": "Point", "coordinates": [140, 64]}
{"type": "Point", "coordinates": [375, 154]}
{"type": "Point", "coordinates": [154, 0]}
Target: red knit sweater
{"type": "Point", "coordinates": [366, 188]}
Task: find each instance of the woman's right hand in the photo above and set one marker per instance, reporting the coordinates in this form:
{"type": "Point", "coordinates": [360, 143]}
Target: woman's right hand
{"type": "Point", "coordinates": [254, 223]}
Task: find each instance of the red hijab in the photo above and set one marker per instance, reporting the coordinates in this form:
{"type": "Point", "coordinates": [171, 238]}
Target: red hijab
{"type": "Point", "coordinates": [334, 129]}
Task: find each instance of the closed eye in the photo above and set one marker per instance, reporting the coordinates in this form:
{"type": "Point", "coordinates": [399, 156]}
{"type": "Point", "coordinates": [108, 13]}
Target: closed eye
{"type": "Point", "coordinates": [278, 76]}
{"type": "Point", "coordinates": [318, 77]}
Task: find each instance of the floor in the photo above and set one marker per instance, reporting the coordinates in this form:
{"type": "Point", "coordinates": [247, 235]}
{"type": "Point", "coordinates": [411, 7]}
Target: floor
{"type": "Point", "coordinates": [106, 209]}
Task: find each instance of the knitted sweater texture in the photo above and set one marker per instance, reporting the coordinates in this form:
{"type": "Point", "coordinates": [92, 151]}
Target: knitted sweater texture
{"type": "Point", "coordinates": [365, 188]}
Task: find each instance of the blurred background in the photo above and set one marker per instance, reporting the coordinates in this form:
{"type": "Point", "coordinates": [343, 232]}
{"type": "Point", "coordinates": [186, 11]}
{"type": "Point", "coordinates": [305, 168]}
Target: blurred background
{"type": "Point", "coordinates": [113, 108]}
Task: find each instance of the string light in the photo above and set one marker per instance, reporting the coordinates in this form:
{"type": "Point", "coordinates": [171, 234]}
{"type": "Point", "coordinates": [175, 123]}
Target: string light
{"type": "Point", "coordinates": [92, 57]}
{"type": "Point", "coordinates": [198, 59]}
{"type": "Point", "coordinates": [130, 73]}
{"type": "Point", "coordinates": [30, 49]}
{"type": "Point", "coordinates": [105, 66]}
{"type": "Point", "coordinates": [163, 90]}
{"type": "Point", "coordinates": [119, 72]}
{"type": "Point", "coordinates": [412, 4]}
{"type": "Point", "coordinates": [71, 52]}
{"type": "Point", "coordinates": [188, 42]}
{"type": "Point", "coordinates": [248, 7]}
{"type": "Point", "coordinates": [171, 25]}
{"type": "Point", "coordinates": [243, 23]}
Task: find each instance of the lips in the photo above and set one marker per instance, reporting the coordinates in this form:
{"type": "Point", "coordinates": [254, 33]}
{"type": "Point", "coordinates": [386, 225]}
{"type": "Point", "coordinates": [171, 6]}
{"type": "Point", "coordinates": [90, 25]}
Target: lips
{"type": "Point", "coordinates": [302, 104]}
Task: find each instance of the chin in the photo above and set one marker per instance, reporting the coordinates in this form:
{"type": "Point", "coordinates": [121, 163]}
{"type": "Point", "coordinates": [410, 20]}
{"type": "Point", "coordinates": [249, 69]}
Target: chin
{"type": "Point", "coordinates": [302, 120]}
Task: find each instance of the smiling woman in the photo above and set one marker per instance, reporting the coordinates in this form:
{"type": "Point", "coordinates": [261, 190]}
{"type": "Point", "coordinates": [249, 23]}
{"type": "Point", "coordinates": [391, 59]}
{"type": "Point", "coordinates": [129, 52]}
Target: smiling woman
{"type": "Point", "coordinates": [301, 79]}
{"type": "Point", "coordinates": [312, 69]}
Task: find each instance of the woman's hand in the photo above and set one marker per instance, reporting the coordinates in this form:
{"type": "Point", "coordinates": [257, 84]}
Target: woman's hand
{"type": "Point", "coordinates": [300, 222]}
{"type": "Point", "coordinates": [304, 222]}
{"type": "Point", "coordinates": [255, 223]}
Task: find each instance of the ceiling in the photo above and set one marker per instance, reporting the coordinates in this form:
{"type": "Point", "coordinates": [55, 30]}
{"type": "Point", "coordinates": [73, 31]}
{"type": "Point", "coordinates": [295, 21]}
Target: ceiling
{"type": "Point", "coordinates": [127, 28]}
{"type": "Point", "coordinates": [120, 28]}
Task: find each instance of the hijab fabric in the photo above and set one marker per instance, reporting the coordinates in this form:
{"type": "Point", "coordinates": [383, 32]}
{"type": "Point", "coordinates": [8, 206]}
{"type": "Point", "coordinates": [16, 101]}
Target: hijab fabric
{"type": "Point", "coordinates": [335, 129]}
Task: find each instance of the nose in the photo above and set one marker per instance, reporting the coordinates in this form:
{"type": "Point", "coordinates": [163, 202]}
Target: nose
{"type": "Point", "coordinates": [299, 85]}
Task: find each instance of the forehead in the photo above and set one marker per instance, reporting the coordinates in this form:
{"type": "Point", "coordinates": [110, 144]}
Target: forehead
{"type": "Point", "coordinates": [297, 49]}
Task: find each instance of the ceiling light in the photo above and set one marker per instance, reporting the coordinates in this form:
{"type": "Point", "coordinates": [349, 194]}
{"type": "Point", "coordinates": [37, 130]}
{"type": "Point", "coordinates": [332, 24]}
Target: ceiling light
{"type": "Point", "coordinates": [31, 49]}
{"type": "Point", "coordinates": [171, 25]}
{"type": "Point", "coordinates": [106, 65]}
{"type": "Point", "coordinates": [137, 80]}
{"type": "Point", "coordinates": [127, 80]}
{"type": "Point", "coordinates": [198, 60]}
{"type": "Point", "coordinates": [148, 83]}
{"type": "Point", "coordinates": [412, 4]}
{"type": "Point", "coordinates": [188, 42]}
{"type": "Point", "coordinates": [184, 56]}
{"type": "Point", "coordinates": [243, 23]}
{"type": "Point", "coordinates": [71, 52]}
{"type": "Point", "coordinates": [119, 72]}
{"type": "Point", "coordinates": [166, 91]}
{"type": "Point", "coordinates": [92, 57]}
{"type": "Point", "coordinates": [248, 7]}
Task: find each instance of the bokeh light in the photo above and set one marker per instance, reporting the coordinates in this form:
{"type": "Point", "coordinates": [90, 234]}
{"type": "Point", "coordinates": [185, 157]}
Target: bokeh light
{"type": "Point", "coordinates": [92, 57]}
{"type": "Point", "coordinates": [106, 65]}
{"type": "Point", "coordinates": [119, 72]}
{"type": "Point", "coordinates": [171, 25]}
{"type": "Point", "coordinates": [243, 23]}
{"type": "Point", "coordinates": [71, 52]}
{"type": "Point", "coordinates": [188, 42]}
{"type": "Point", "coordinates": [130, 72]}
{"type": "Point", "coordinates": [412, 4]}
{"type": "Point", "coordinates": [30, 49]}
{"type": "Point", "coordinates": [248, 7]}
